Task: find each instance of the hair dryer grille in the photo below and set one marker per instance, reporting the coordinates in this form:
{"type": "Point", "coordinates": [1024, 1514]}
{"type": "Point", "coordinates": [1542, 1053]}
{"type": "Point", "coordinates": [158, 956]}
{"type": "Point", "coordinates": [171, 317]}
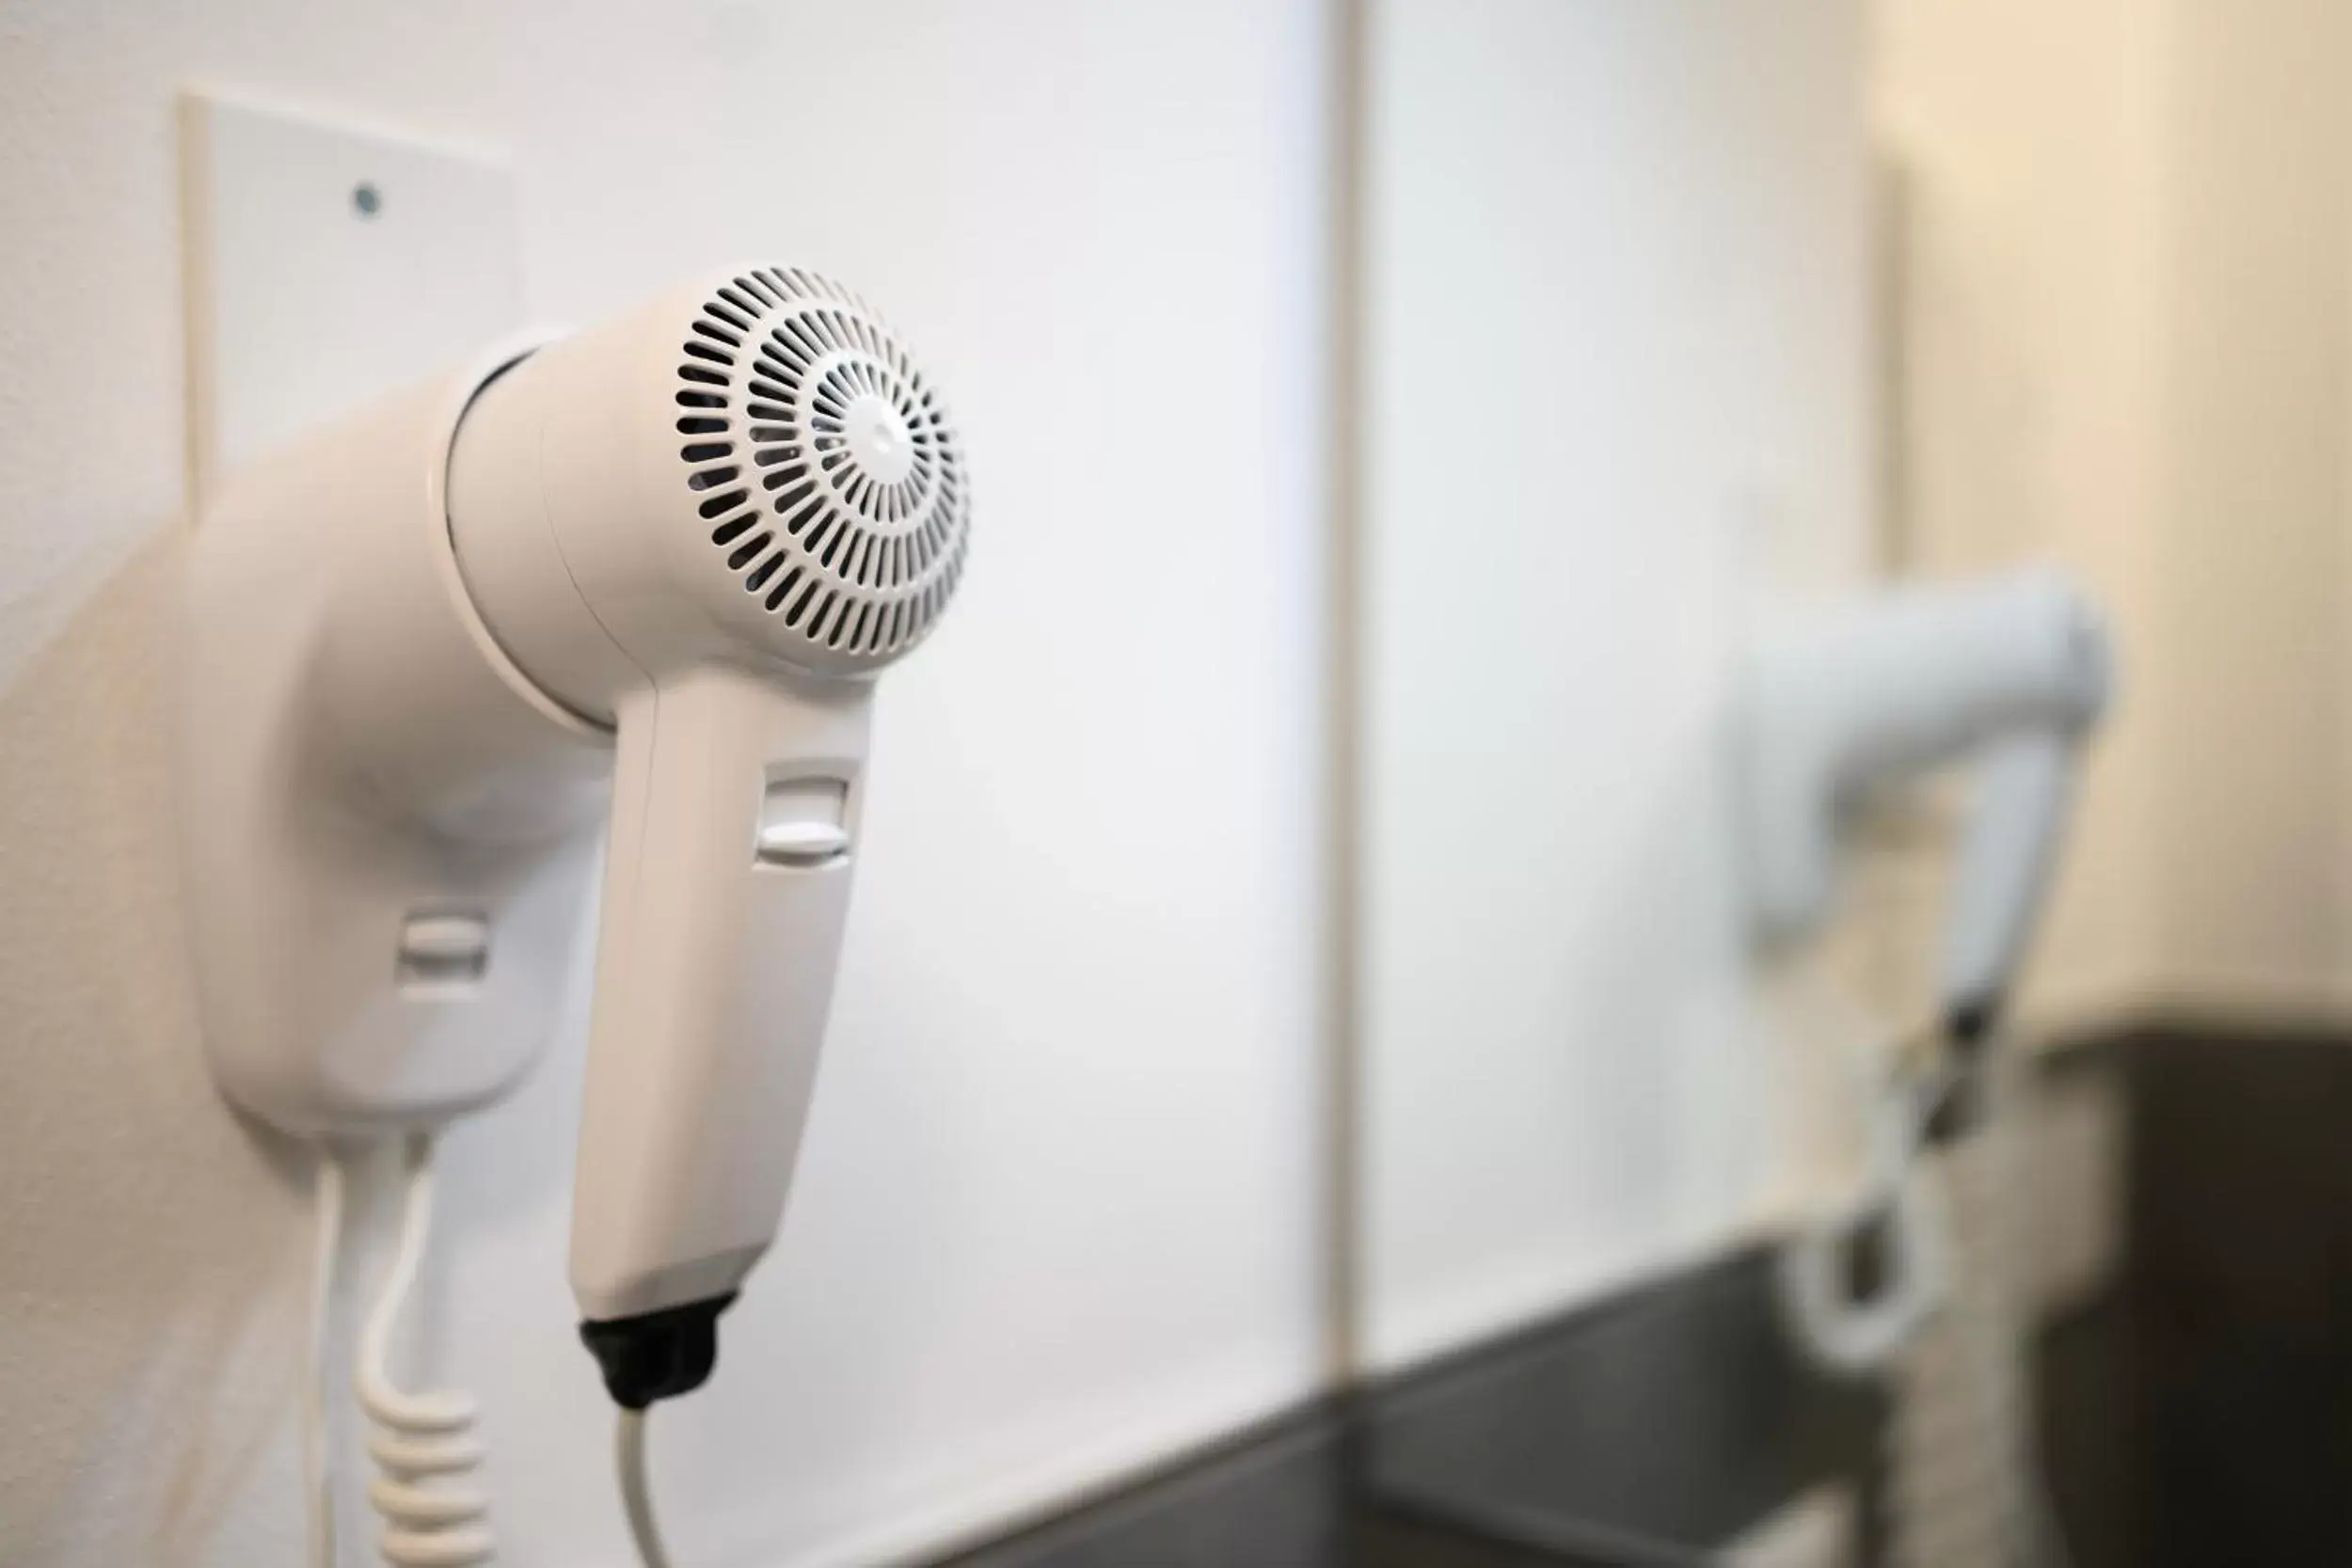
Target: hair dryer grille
{"type": "Point", "coordinates": [823, 461]}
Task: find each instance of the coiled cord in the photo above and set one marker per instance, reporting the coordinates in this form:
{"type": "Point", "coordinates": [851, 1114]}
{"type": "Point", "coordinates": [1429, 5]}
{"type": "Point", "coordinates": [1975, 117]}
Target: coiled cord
{"type": "Point", "coordinates": [1968, 1475]}
{"type": "Point", "coordinates": [422, 1439]}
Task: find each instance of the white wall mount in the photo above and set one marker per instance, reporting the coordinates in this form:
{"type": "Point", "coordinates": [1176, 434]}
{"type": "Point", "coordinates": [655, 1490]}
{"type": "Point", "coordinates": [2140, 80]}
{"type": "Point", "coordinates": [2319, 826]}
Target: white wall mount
{"type": "Point", "coordinates": [382, 939]}
{"type": "Point", "coordinates": [362, 969]}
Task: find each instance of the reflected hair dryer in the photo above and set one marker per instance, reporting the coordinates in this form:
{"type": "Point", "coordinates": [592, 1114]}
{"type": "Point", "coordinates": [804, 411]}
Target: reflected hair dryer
{"type": "Point", "coordinates": [2013, 673]}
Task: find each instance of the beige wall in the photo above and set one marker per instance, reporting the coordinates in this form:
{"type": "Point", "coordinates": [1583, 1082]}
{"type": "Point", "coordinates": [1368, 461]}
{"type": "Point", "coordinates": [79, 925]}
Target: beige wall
{"type": "Point", "coordinates": [2121, 304]}
{"type": "Point", "coordinates": [2253, 626]}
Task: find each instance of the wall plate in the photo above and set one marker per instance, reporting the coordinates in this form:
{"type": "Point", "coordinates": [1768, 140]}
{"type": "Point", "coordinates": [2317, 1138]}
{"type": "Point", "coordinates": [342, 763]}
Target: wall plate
{"type": "Point", "coordinates": [357, 972]}
{"type": "Point", "coordinates": [325, 267]}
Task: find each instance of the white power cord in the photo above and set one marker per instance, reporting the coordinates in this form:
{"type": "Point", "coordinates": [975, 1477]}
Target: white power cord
{"type": "Point", "coordinates": [318, 1480]}
{"type": "Point", "coordinates": [1853, 1338]}
{"type": "Point", "coordinates": [636, 1494]}
{"type": "Point", "coordinates": [1890, 1106]}
{"type": "Point", "coordinates": [422, 1438]}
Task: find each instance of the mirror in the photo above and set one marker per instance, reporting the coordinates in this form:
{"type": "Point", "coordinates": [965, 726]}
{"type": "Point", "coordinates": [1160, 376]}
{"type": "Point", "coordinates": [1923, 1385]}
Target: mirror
{"type": "Point", "coordinates": [1618, 421]}
{"type": "Point", "coordinates": [1615, 388]}
{"type": "Point", "coordinates": [1719, 369]}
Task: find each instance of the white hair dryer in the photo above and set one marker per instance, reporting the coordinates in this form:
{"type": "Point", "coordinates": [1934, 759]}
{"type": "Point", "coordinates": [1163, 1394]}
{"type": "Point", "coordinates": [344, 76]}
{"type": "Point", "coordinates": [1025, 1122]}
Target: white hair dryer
{"type": "Point", "coordinates": [2013, 673]}
{"type": "Point", "coordinates": [672, 551]}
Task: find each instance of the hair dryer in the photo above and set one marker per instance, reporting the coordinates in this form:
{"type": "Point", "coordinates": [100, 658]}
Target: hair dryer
{"type": "Point", "coordinates": [673, 551]}
{"type": "Point", "coordinates": [2015, 672]}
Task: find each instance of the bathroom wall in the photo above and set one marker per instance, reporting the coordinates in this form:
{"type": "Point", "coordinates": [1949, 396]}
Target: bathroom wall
{"type": "Point", "coordinates": [1059, 1209]}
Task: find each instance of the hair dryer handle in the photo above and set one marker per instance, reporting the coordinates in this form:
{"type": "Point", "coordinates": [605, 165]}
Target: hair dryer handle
{"type": "Point", "coordinates": [727, 886]}
{"type": "Point", "coordinates": [2004, 871]}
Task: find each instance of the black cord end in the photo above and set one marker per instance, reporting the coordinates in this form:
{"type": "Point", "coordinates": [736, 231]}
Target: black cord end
{"type": "Point", "coordinates": [1970, 1023]}
{"type": "Point", "coordinates": [657, 1355]}
{"type": "Point", "coordinates": [1969, 1026]}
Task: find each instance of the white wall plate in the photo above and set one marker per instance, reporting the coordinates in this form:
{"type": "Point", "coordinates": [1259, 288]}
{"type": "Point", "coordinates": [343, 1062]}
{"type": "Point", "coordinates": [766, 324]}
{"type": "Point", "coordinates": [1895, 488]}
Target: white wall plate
{"type": "Point", "coordinates": [325, 267]}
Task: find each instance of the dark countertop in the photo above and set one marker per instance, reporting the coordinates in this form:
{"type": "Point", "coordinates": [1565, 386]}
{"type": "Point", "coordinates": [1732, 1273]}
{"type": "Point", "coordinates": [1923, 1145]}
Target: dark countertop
{"type": "Point", "coordinates": [1650, 1430]}
{"type": "Point", "coordinates": [2198, 1411]}
{"type": "Point", "coordinates": [1644, 1431]}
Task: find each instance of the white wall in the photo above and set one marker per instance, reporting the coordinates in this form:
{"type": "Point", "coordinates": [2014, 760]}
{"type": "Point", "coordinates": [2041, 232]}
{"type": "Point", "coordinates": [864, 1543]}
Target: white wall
{"type": "Point", "coordinates": [1056, 1211]}
{"type": "Point", "coordinates": [2127, 322]}
{"type": "Point", "coordinates": [1618, 363]}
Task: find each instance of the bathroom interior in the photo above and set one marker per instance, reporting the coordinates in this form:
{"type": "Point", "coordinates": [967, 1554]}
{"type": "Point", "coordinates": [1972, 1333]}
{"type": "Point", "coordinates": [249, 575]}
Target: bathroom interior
{"type": "Point", "coordinates": [1696, 908]}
